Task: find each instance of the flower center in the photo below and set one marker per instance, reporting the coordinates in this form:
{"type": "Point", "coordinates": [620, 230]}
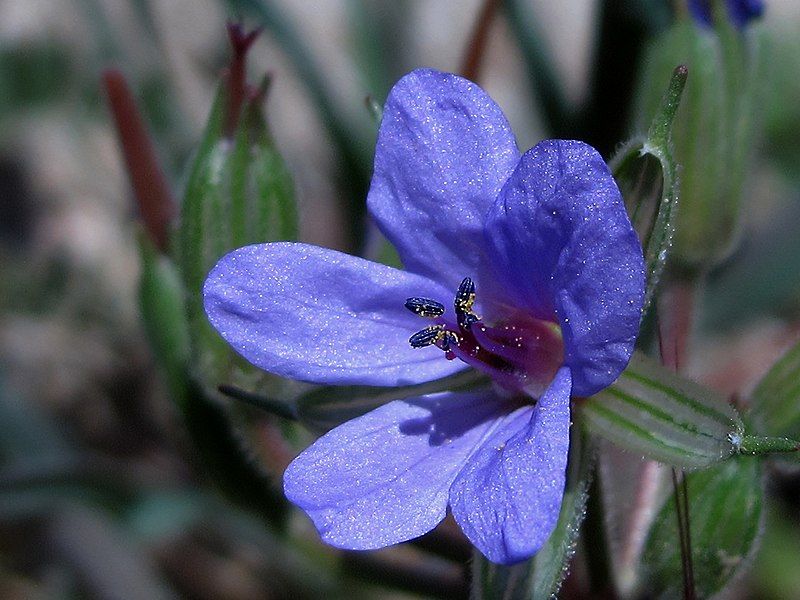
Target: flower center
{"type": "Point", "coordinates": [517, 352]}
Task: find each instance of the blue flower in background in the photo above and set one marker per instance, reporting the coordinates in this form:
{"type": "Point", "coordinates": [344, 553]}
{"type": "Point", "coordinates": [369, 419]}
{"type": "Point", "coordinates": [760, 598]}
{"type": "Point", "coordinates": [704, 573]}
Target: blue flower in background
{"type": "Point", "coordinates": [740, 12]}
{"type": "Point", "coordinates": [524, 267]}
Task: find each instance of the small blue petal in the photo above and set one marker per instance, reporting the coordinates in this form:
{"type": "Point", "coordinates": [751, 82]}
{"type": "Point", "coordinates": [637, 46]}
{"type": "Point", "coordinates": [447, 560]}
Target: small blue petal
{"type": "Point", "coordinates": [318, 315]}
{"type": "Point", "coordinates": [444, 151]}
{"type": "Point", "coordinates": [740, 12]}
{"type": "Point", "coordinates": [508, 497]}
{"type": "Point", "coordinates": [384, 478]}
{"type": "Point", "coordinates": [563, 246]}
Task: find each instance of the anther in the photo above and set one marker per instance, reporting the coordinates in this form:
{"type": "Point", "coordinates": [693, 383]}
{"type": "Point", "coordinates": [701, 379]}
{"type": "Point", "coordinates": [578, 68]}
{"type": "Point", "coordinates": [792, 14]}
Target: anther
{"type": "Point", "coordinates": [464, 300]}
{"type": "Point", "coordinates": [426, 337]}
{"type": "Point", "coordinates": [430, 309]}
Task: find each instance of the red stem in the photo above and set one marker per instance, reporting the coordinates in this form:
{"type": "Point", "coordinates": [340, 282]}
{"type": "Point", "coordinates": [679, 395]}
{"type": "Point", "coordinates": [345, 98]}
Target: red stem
{"type": "Point", "coordinates": [150, 189]}
{"type": "Point", "coordinates": [675, 309]}
{"type": "Point", "coordinates": [479, 39]}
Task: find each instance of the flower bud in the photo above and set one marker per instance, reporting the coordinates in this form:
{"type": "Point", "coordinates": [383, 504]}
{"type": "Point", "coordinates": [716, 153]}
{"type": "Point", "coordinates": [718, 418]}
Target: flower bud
{"type": "Point", "coordinates": [238, 192]}
{"type": "Point", "coordinates": [712, 132]}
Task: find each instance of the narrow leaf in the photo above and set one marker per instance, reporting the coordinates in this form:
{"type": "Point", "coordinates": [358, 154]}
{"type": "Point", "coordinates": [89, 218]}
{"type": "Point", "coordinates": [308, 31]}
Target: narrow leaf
{"type": "Point", "coordinates": [326, 407]}
{"type": "Point", "coordinates": [726, 509]}
{"type": "Point", "coordinates": [550, 95]}
{"type": "Point", "coordinates": [652, 411]}
{"type": "Point", "coordinates": [224, 454]}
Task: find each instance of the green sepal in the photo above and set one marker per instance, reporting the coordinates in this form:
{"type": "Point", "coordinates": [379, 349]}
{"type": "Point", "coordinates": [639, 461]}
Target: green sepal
{"type": "Point", "coordinates": [646, 173]}
{"type": "Point", "coordinates": [712, 133]}
{"type": "Point", "coordinates": [238, 192]}
{"type": "Point", "coordinates": [725, 520]}
{"type": "Point", "coordinates": [352, 138]}
{"type": "Point", "coordinates": [201, 241]}
{"type": "Point", "coordinates": [262, 191]}
{"type": "Point", "coordinates": [541, 576]}
{"type": "Point", "coordinates": [551, 563]}
{"type": "Point", "coordinates": [654, 412]}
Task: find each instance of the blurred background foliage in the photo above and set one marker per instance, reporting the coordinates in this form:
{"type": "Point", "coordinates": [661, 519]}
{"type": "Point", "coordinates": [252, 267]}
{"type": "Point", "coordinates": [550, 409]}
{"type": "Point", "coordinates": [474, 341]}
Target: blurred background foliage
{"type": "Point", "coordinates": [102, 492]}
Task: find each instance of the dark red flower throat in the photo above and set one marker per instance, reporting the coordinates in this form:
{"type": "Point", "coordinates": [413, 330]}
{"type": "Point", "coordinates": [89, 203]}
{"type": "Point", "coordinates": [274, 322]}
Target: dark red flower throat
{"type": "Point", "coordinates": [517, 352]}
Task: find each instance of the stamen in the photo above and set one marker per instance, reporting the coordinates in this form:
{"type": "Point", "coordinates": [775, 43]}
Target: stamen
{"type": "Point", "coordinates": [509, 353]}
{"type": "Point", "coordinates": [504, 378]}
{"type": "Point", "coordinates": [428, 336]}
{"type": "Point", "coordinates": [518, 352]}
{"type": "Point", "coordinates": [424, 307]}
{"type": "Point", "coordinates": [465, 299]}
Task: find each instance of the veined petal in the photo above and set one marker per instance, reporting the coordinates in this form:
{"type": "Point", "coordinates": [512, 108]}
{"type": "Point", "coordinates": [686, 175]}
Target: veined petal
{"type": "Point", "coordinates": [444, 151]}
{"type": "Point", "coordinates": [563, 245]}
{"type": "Point", "coordinates": [319, 315]}
{"type": "Point", "coordinates": [508, 497]}
{"type": "Point", "coordinates": [384, 478]}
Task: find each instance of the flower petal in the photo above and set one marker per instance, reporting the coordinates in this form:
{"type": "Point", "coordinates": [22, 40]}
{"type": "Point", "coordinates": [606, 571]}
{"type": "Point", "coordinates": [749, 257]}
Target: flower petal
{"type": "Point", "coordinates": [384, 478]}
{"type": "Point", "coordinates": [563, 246]}
{"type": "Point", "coordinates": [319, 315]}
{"type": "Point", "coordinates": [508, 497]}
{"type": "Point", "coordinates": [444, 151]}
{"type": "Point", "coordinates": [740, 12]}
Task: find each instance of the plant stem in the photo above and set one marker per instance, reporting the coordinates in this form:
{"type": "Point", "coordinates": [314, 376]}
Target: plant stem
{"type": "Point", "coordinates": [644, 509]}
{"type": "Point", "coordinates": [675, 317]}
{"type": "Point", "coordinates": [478, 41]}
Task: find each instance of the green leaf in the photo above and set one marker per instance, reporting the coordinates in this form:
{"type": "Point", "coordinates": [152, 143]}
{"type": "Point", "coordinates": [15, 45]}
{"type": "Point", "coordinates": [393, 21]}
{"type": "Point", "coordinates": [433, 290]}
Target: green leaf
{"type": "Point", "coordinates": [725, 516]}
{"type": "Point", "coordinates": [776, 568]}
{"type": "Point", "coordinates": [646, 173]}
{"type": "Point", "coordinates": [655, 412]}
{"type": "Point", "coordinates": [775, 402]}
{"type": "Point", "coordinates": [542, 575]}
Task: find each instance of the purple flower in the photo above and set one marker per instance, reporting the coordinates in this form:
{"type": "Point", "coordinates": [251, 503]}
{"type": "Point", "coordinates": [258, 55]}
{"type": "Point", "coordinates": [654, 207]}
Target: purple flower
{"type": "Point", "coordinates": [524, 267]}
{"type": "Point", "coordinates": [740, 12]}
